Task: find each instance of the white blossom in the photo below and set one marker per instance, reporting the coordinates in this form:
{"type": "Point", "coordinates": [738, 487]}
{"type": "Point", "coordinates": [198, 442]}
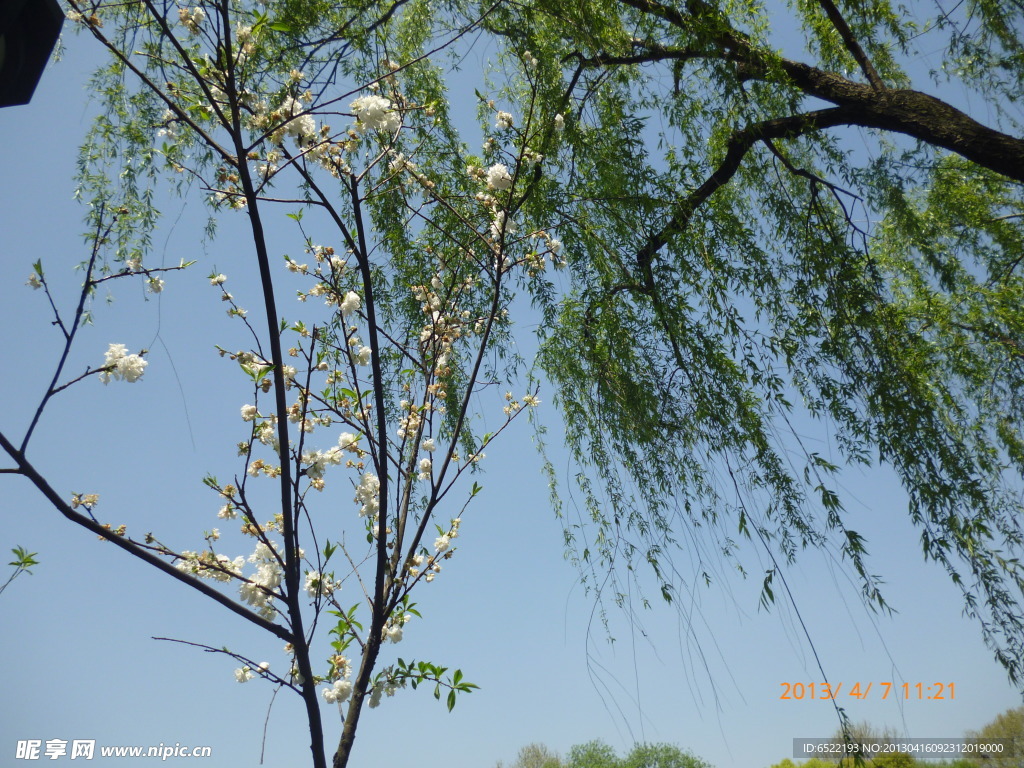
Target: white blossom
{"type": "Point", "coordinates": [319, 460]}
{"type": "Point", "coordinates": [292, 107]}
{"type": "Point", "coordinates": [531, 158]}
{"type": "Point", "coordinates": [503, 121]}
{"type": "Point", "coordinates": [191, 19]}
{"type": "Point", "coordinates": [425, 466]}
{"type": "Point", "coordinates": [375, 113]}
{"type": "Point", "coordinates": [502, 224]}
{"type": "Point", "coordinates": [125, 366]}
{"type": "Point", "coordinates": [498, 177]}
{"type": "Point", "coordinates": [302, 128]}
{"type": "Point", "coordinates": [258, 590]}
{"type": "Point", "coordinates": [367, 492]}
{"type": "Point", "coordinates": [375, 694]}
{"type": "Point", "coordinates": [243, 674]}
{"type": "Point", "coordinates": [338, 692]}
{"type": "Point", "coordinates": [350, 303]}
{"type": "Point", "coordinates": [249, 412]}
{"type": "Point", "coordinates": [319, 585]}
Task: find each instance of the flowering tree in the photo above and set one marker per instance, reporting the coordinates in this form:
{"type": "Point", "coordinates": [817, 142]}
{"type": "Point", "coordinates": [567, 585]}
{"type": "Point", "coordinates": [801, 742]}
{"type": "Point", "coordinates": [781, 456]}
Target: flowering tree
{"type": "Point", "coordinates": [335, 115]}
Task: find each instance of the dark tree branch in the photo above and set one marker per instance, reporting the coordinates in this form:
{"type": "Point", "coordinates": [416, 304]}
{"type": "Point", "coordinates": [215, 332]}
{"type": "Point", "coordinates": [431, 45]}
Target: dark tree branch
{"type": "Point", "coordinates": [905, 111]}
{"type": "Point", "coordinates": [739, 144]}
{"type": "Point", "coordinates": [836, 17]}
{"type": "Point", "coordinates": [28, 470]}
{"type": "Point", "coordinates": [917, 115]}
{"type": "Point", "coordinates": [380, 458]}
{"type": "Point", "coordinates": [292, 564]}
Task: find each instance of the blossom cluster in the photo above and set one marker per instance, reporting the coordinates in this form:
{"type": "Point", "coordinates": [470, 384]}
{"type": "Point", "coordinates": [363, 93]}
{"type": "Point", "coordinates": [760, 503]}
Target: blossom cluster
{"type": "Point", "coordinates": [383, 687]}
{"type": "Point", "coordinates": [339, 692]}
{"type": "Point", "coordinates": [299, 123]}
{"type": "Point", "coordinates": [375, 113]}
{"type": "Point", "coordinates": [87, 500]}
{"type": "Point", "coordinates": [392, 631]}
{"type": "Point", "coordinates": [246, 673]}
{"type": "Point", "coordinates": [209, 565]}
{"type": "Point", "coordinates": [320, 584]}
{"type": "Point", "coordinates": [118, 364]}
{"type": "Point", "coordinates": [260, 588]}
{"type": "Point", "coordinates": [191, 18]}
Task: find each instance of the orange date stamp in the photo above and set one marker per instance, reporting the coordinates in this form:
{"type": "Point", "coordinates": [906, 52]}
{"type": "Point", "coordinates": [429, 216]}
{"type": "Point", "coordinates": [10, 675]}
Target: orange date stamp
{"type": "Point", "coordinates": [863, 690]}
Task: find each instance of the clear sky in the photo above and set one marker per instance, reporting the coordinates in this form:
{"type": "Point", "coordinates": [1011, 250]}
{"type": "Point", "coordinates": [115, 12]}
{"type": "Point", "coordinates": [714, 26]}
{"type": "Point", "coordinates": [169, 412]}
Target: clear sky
{"type": "Point", "coordinates": [79, 661]}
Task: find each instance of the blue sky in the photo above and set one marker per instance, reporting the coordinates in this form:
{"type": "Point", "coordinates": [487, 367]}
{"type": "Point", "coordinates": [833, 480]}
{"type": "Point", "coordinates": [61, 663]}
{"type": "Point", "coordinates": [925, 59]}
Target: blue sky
{"type": "Point", "coordinates": [79, 661]}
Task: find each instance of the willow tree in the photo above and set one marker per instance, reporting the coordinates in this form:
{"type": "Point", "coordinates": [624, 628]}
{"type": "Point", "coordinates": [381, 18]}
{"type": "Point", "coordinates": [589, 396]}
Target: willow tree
{"type": "Point", "coordinates": [762, 226]}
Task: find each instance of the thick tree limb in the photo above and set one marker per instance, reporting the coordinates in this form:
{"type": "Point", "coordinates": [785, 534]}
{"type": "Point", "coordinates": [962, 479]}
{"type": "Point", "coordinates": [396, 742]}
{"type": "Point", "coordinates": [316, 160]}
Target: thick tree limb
{"type": "Point", "coordinates": [917, 115]}
{"type": "Point", "coordinates": [905, 111]}
{"type": "Point", "coordinates": [739, 144]}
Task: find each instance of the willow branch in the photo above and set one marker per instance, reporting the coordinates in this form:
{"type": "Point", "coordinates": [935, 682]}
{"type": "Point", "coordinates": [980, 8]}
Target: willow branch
{"type": "Point", "coordinates": [850, 41]}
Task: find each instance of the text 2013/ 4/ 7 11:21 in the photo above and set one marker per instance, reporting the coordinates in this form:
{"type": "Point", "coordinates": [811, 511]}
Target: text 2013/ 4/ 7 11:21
{"type": "Point", "coordinates": [861, 690]}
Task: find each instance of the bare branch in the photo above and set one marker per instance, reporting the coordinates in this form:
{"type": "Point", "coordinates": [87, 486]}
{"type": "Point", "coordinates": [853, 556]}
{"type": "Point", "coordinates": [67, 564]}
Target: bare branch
{"type": "Point", "coordinates": [26, 468]}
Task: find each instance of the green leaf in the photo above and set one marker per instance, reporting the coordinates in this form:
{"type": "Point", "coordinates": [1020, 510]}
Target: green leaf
{"type": "Point", "coordinates": [23, 558]}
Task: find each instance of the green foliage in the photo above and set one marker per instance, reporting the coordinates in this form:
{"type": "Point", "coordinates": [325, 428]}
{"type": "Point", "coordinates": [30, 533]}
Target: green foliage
{"type": "Point", "coordinates": [596, 754]}
{"type": "Point", "coordinates": [534, 756]}
{"type": "Point", "coordinates": [734, 261]}
{"type": "Point", "coordinates": [593, 754]}
{"type": "Point", "coordinates": [737, 262]}
{"type": "Point", "coordinates": [894, 760]}
{"type": "Point", "coordinates": [23, 559]}
{"type": "Point", "coordinates": [22, 563]}
{"type": "Point", "coordinates": [1008, 726]}
{"type": "Point", "coordinates": [661, 756]}
{"type": "Point", "coordinates": [814, 762]}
